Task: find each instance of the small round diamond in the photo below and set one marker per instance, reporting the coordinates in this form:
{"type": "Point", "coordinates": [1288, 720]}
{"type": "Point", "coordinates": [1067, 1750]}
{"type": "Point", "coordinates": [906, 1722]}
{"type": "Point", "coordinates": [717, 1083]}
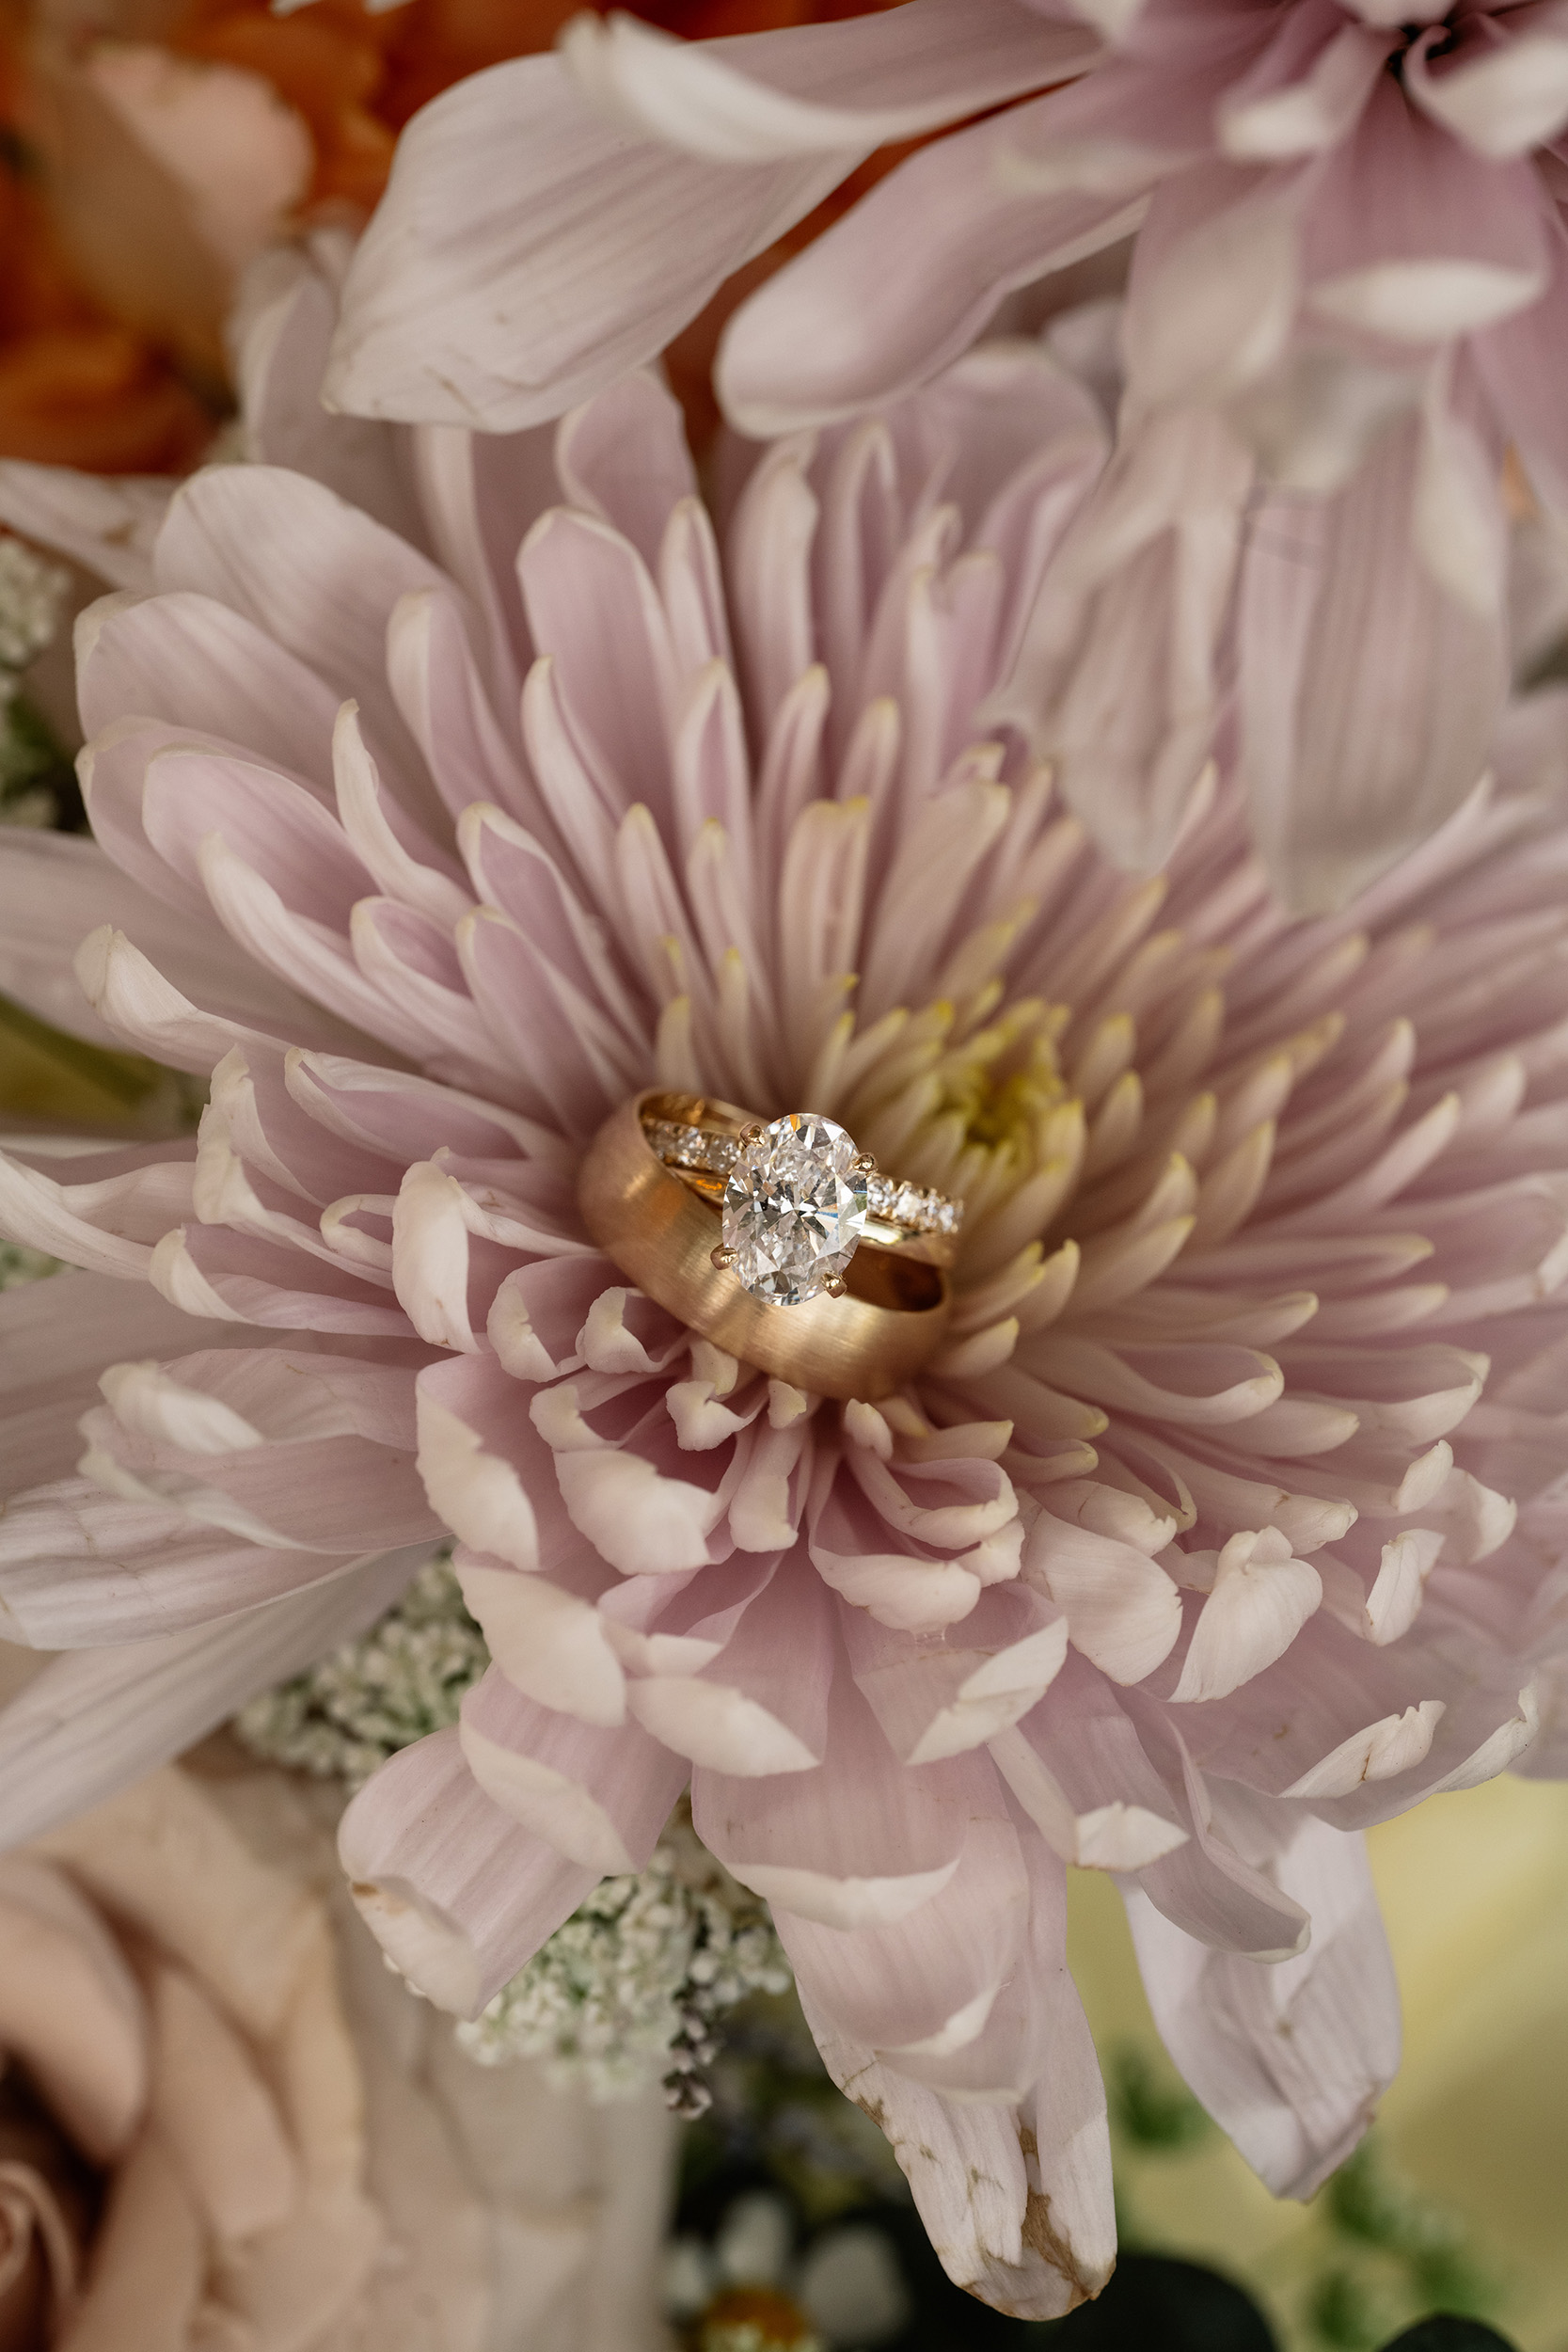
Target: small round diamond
{"type": "Point", "coordinates": [794, 1209]}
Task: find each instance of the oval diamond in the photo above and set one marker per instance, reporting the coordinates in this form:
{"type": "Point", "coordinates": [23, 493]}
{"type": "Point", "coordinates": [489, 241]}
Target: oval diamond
{"type": "Point", "coordinates": [794, 1208]}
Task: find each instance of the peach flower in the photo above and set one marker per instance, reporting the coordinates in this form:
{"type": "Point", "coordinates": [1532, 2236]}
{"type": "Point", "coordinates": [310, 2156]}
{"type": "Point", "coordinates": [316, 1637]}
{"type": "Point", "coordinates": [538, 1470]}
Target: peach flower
{"type": "Point", "coordinates": [225, 2127]}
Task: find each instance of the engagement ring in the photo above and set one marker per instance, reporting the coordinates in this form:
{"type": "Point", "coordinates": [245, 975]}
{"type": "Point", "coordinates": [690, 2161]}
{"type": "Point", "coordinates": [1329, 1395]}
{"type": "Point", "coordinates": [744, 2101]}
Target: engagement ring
{"type": "Point", "coordinates": [781, 1241]}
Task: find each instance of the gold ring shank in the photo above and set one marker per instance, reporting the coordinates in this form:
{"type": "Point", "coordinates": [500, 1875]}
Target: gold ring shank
{"type": "Point", "coordinates": [660, 1232]}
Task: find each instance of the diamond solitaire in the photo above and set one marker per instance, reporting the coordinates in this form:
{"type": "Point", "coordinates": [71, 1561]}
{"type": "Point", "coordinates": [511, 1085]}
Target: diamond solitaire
{"type": "Point", "coordinates": [794, 1209]}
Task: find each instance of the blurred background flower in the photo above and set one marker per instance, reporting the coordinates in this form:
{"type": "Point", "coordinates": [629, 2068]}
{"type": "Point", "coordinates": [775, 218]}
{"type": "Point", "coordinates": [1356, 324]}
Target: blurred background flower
{"type": "Point", "coordinates": [150, 149]}
{"type": "Point", "coordinates": [225, 2125]}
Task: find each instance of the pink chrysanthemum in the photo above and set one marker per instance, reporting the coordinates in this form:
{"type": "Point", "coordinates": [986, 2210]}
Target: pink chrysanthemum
{"type": "Point", "coordinates": [433, 825]}
{"type": "Point", "coordinates": [1349, 268]}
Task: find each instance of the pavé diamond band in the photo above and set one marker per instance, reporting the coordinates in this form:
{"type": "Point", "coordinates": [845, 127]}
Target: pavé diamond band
{"type": "Point", "coordinates": [726, 1222]}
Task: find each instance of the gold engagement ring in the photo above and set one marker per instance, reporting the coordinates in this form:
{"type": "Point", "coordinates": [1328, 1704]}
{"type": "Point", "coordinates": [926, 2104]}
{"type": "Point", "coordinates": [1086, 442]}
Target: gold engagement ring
{"type": "Point", "coordinates": [781, 1241]}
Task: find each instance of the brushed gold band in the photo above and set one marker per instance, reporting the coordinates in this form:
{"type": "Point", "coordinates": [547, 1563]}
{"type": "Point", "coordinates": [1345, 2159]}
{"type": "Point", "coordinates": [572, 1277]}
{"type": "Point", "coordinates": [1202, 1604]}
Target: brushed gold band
{"type": "Point", "coordinates": [660, 1231]}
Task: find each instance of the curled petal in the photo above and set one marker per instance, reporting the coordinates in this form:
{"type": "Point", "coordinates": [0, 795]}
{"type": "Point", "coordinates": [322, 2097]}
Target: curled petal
{"type": "Point", "coordinates": [936, 1697]}
{"type": "Point", "coordinates": [1122, 1610]}
{"type": "Point", "coordinates": [1259, 1601]}
{"type": "Point", "coordinates": [854, 1842]}
{"type": "Point", "coordinates": [1017, 2202]}
{"type": "Point", "coordinates": [456, 1894]}
{"type": "Point", "coordinates": [1383, 1749]}
{"type": "Point", "coordinates": [599, 1798]}
{"type": "Point", "coordinates": [1292, 2060]}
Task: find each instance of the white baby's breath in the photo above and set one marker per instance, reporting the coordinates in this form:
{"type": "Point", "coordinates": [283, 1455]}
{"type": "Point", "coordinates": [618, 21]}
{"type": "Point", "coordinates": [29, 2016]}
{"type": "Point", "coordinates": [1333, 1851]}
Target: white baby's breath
{"type": "Point", "coordinates": [635, 1981]}
{"type": "Point", "coordinates": [32, 595]}
{"type": "Point", "coordinates": [345, 1716]}
{"type": "Point", "coordinates": [631, 1987]}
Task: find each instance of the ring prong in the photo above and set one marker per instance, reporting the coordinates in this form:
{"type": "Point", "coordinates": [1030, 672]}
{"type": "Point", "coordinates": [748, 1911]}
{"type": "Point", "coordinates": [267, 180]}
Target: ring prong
{"type": "Point", "coordinates": [749, 1135]}
{"type": "Point", "coordinates": [835, 1286]}
{"type": "Point", "coordinates": [722, 1258]}
{"type": "Point", "coordinates": [864, 1163]}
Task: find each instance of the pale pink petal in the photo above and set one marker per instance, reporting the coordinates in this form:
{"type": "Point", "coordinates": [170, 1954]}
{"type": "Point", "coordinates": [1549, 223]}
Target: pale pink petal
{"type": "Point", "coordinates": [1258, 1601]}
{"type": "Point", "coordinates": [1347, 776]}
{"type": "Point", "coordinates": [624, 457]}
{"type": "Point", "coordinates": [107, 1218]}
{"type": "Point", "coordinates": [83, 891]}
{"type": "Point", "coordinates": [540, 195]}
{"type": "Point", "coordinates": [95, 1720]}
{"type": "Point", "coordinates": [901, 1584]}
{"type": "Point", "coordinates": [1415, 240]}
{"type": "Point", "coordinates": [479, 1458]}
{"type": "Point", "coordinates": [283, 320]}
{"type": "Point", "coordinates": [647, 1505]}
{"type": "Point", "coordinates": [1292, 2060]}
{"type": "Point", "coordinates": [458, 1895]}
{"type": "Point", "coordinates": [1518, 360]}
{"type": "Point", "coordinates": [191, 661]}
{"type": "Point", "coordinates": [1382, 1726]}
{"type": "Point", "coordinates": [107, 525]}
{"type": "Point", "coordinates": [938, 1696]}
{"type": "Point", "coordinates": [456, 714]}
{"type": "Point", "coordinates": [1305, 91]}
{"type": "Point", "coordinates": [770, 96]}
{"type": "Point", "coordinates": [597, 1797]}
{"type": "Point", "coordinates": [317, 576]}
{"type": "Point", "coordinates": [1077, 1767]}
{"type": "Point", "coordinates": [800, 1842]}
{"type": "Point", "coordinates": [79, 1569]}
{"type": "Point", "coordinates": [761, 1707]}
{"type": "Point", "coordinates": [926, 1985]}
{"type": "Point", "coordinates": [1502, 92]}
{"type": "Point", "coordinates": [592, 605]}
{"type": "Point", "coordinates": [545, 1635]}
{"type": "Point", "coordinates": [1149, 562]}
{"type": "Point", "coordinates": [874, 309]}
{"type": "Point", "coordinates": [52, 1348]}
{"type": "Point", "coordinates": [1122, 1610]}
{"type": "Point", "coordinates": [1018, 2206]}
{"type": "Point", "coordinates": [1544, 1758]}
{"type": "Point", "coordinates": [1215, 287]}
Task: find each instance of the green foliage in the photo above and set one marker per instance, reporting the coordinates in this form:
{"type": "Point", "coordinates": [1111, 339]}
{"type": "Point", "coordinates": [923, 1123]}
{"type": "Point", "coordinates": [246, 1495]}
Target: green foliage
{"type": "Point", "coordinates": [1394, 2254]}
{"type": "Point", "coordinates": [38, 775]}
{"type": "Point", "coordinates": [1149, 2111]}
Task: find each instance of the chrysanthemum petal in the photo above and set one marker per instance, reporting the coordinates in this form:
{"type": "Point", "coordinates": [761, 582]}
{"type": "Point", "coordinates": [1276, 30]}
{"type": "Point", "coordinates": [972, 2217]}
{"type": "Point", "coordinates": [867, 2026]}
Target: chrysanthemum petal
{"type": "Point", "coordinates": [456, 1892]}
{"type": "Point", "coordinates": [1293, 2060]}
{"type": "Point", "coordinates": [94, 1720]}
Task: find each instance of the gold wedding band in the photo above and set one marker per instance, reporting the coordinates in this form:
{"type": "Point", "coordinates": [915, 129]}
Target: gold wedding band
{"type": "Point", "coordinates": [780, 1242]}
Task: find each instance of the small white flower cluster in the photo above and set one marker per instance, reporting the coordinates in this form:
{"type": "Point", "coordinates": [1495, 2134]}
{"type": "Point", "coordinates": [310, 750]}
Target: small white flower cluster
{"type": "Point", "coordinates": [345, 1717]}
{"type": "Point", "coordinates": [19, 1265]}
{"type": "Point", "coordinates": [31, 594]}
{"type": "Point", "coordinates": [631, 1986]}
{"type": "Point", "coordinates": [636, 1980]}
